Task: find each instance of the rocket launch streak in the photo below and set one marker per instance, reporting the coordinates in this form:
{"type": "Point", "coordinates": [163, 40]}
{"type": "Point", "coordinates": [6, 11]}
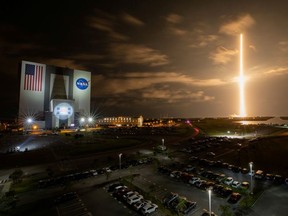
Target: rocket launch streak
{"type": "Point", "coordinates": [241, 81]}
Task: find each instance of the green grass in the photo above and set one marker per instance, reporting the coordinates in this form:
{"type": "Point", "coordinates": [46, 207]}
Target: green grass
{"type": "Point", "coordinates": [27, 184]}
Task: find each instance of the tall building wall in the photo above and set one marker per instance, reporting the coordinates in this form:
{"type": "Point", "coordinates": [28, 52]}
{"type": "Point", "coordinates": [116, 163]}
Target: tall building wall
{"type": "Point", "coordinates": [82, 91]}
{"type": "Point", "coordinates": [32, 88]}
{"type": "Point", "coordinates": [53, 94]}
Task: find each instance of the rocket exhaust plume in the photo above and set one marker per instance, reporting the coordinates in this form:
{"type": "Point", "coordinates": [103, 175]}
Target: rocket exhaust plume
{"type": "Point", "coordinates": [241, 81]}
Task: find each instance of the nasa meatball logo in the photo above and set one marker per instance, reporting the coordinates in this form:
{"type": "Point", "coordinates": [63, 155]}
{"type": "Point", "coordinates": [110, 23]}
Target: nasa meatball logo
{"type": "Point", "coordinates": [82, 83]}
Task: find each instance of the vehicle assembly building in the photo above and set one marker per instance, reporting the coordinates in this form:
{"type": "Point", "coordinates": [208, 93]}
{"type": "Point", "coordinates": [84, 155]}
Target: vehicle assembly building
{"type": "Point", "coordinates": [53, 97]}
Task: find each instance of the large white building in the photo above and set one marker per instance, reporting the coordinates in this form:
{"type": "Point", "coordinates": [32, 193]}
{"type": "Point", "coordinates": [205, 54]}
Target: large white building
{"type": "Point", "coordinates": [120, 121]}
{"type": "Point", "coordinates": [53, 97]}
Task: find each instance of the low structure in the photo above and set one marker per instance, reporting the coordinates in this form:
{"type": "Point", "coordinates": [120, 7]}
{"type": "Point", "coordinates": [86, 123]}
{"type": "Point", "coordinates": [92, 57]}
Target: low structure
{"type": "Point", "coordinates": [120, 121]}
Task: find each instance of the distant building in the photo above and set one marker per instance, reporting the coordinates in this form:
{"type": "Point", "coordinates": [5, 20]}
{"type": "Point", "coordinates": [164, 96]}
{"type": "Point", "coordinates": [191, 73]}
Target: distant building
{"type": "Point", "coordinates": [53, 97]}
{"type": "Point", "coordinates": [120, 121]}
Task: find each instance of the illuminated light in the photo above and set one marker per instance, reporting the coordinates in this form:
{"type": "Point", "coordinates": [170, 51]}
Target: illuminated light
{"type": "Point", "coordinates": [90, 119]}
{"type": "Point", "coordinates": [242, 81]}
{"type": "Point", "coordinates": [82, 119]}
{"type": "Point", "coordinates": [63, 111]}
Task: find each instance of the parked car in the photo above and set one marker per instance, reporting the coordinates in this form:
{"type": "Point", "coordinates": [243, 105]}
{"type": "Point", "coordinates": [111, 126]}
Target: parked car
{"type": "Point", "coordinates": [244, 170]}
{"type": "Point", "coordinates": [112, 187]}
{"type": "Point", "coordinates": [207, 213]}
{"type": "Point", "coordinates": [217, 188]}
{"type": "Point", "coordinates": [211, 153]}
{"type": "Point", "coordinates": [129, 194]}
{"type": "Point", "coordinates": [93, 172]}
{"type": "Point", "coordinates": [225, 192]}
{"type": "Point", "coordinates": [269, 177]}
{"type": "Point", "coordinates": [149, 208]}
{"type": "Point", "coordinates": [220, 178]}
{"type": "Point", "coordinates": [245, 185]}
{"type": "Point", "coordinates": [278, 179]}
{"type": "Point", "coordinates": [133, 199]}
{"type": "Point", "coordinates": [169, 198]}
{"type": "Point", "coordinates": [228, 181]}
{"type": "Point", "coordinates": [185, 177]}
{"type": "Point", "coordinates": [200, 183]}
{"type": "Point", "coordinates": [120, 187]}
{"type": "Point", "coordinates": [194, 180]}
{"type": "Point", "coordinates": [175, 174]}
{"type": "Point", "coordinates": [234, 198]}
{"type": "Point", "coordinates": [173, 205]}
{"type": "Point", "coordinates": [107, 169]}
{"type": "Point", "coordinates": [118, 194]}
{"type": "Point", "coordinates": [259, 174]}
{"type": "Point", "coordinates": [235, 184]}
{"type": "Point", "coordinates": [189, 206]}
{"type": "Point", "coordinates": [138, 205]}
{"type": "Point", "coordinates": [208, 185]}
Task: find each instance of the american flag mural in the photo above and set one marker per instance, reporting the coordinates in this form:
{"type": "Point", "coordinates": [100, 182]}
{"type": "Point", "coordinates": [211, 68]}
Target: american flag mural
{"type": "Point", "coordinates": [33, 77]}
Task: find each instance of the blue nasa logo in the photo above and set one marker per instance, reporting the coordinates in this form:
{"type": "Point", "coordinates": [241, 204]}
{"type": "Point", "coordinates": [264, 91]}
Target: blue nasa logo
{"type": "Point", "coordinates": [82, 83]}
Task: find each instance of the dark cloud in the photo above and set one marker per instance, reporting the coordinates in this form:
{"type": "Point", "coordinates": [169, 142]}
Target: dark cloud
{"type": "Point", "coordinates": [152, 57]}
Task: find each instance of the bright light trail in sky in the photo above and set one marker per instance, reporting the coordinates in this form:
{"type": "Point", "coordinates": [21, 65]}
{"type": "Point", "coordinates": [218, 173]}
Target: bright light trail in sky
{"type": "Point", "coordinates": [241, 81]}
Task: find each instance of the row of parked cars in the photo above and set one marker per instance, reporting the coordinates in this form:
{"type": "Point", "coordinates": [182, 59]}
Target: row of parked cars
{"type": "Point", "coordinates": [276, 179]}
{"type": "Point", "coordinates": [132, 198]}
{"type": "Point", "coordinates": [178, 204]}
{"type": "Point", "coordinates": [219, 183]}
{"type": "Point", "coordinates": [201, 144]}
{"type": "Point", "coordinates": [61, 180]}
{"type": "Point", "coordinates": [259, 174]}
{"type": "Point", "coordinates": [218, 188]}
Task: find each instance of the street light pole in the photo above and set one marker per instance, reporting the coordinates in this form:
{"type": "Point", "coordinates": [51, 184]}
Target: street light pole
{"type": "Point", "coordinates": [120, 155]}
{"type": "Point", "coordinates": [209, 194]}
{"type": "Point", "coordinates": [251, 176]}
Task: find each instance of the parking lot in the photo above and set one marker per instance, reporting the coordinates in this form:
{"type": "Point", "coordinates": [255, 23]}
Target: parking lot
{"type": "Point", "coordinates": [70, 204]}
{"type": "Point", "coordinates": [158, 185]}
{"type": "Point", "coordinates": [200, 158]}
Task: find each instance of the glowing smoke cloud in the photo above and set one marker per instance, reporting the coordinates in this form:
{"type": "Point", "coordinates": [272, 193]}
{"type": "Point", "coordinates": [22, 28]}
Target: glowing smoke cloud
{"type": "Point", "coordinates": [241, 81]}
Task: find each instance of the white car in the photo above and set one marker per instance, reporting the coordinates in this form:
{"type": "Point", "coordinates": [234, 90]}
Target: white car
{"type": "Point", "coordinates": [228, 181]}
{"type": "Point", "coordinates": [120, 187]}
{"type": "Point", "coordinates": [107, 169]}
{"type": "Point", "coordinates": [130, 194]}
{"type": "Point", "coordinates": [200, 183]}
{"type": "Point", "coordinates": [94, 172]}
{"type": "Point", "coordinates": [175, 174]}
{"type": "Point", "coordinates": [133, 199]}
{"type": "Point", "coordinates": [211, 153]}
{"type": "Point", "coordinates": [138, 205]}
{"type": "Point", "coordinates": [149, 208]}
{"type": "Point", "coordinates": [194, 180]}
{"type": "Point", "coordinates": [235, 184]}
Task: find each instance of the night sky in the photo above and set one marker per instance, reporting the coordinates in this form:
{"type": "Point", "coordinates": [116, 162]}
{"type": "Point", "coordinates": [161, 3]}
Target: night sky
{"type": "Point", "coordinates": [156, 58]}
